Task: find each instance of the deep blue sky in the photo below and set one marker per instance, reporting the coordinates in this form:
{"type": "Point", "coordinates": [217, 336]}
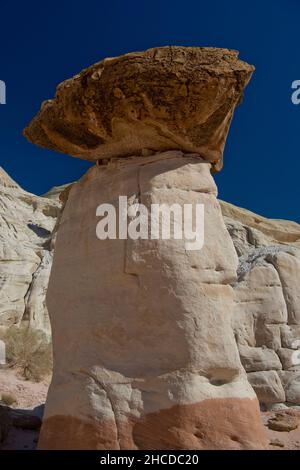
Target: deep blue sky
{"type": "Point", "coordinates": [43, 43]}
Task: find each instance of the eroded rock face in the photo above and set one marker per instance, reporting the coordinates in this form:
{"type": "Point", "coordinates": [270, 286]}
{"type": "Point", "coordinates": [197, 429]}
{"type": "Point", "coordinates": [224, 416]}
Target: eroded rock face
{"type": "Point", "coordinates": [161, 99]}
{"type": "Point", "coordinates": [267, 386]}
{"type": "Point", "coordinates": [150, 361]}
{"type": "Point", "coordinates": [266, 320]}
{"type": "Point", "coordinates": [26, 225]}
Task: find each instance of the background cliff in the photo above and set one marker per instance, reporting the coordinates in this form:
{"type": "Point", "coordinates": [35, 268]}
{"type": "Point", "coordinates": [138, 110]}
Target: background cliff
{"type": "Point", "coordinates": [26, 249]}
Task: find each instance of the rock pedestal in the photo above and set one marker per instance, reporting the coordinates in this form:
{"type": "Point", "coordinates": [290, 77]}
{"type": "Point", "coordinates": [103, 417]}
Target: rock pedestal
{"type": "Point", "coordinates": [145, 356]}
{"type": "Point", "coordinates": [144, 352]}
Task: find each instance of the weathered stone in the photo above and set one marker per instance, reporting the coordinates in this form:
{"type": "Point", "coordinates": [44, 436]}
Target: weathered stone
{"type": "Point", "coordinates": [290, 336]}
{"type": "Point", "coordinates": [282, 422]}
{"type": "Point", "coordinates": [291, 383]}
{"type": "Point", "coordinates": [161, 99]}
{"type": "Point", "coordinates": [243, 323]}
{"type": "Point", "coordinates": [259, 293]}
{"type": "Point", "coordinates": [289, 358]}
{"type": "Point", "coordinates": [268, 335]}
{"type": "Point", "coordinates": [244, 238]}
{"type": "Point", "coordinates": [266, 292]}
{"type": "Point", "coordinates": [27, 222]}
{"type": "Point", "coordinates": [267, 386]}
{"type": "Point", "coordinates": [156, 366]}
{"type": "Point", "coordinates": [260, 307]}
{"type": "Point", "coordinates": [288, 268]}
{"type": "Point", "coordinates": [257, 359]}
{"type": "Point", "coordinates": [267, 231]}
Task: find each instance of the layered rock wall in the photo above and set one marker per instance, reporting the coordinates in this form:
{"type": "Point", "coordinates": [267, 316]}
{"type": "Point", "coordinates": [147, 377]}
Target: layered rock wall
{"type": "Point", "coordinates": [26, 249]}
{"type": "Point", "coordinates": [267, 313]}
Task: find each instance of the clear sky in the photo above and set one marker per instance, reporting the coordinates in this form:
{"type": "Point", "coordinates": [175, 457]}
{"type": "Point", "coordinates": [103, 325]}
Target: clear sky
{"type": "Point", "coordinates": [43, 43]}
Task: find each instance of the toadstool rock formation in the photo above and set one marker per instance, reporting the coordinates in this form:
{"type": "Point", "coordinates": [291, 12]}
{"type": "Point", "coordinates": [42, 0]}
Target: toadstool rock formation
{"type": "Point", "coordinates": [144, 351]}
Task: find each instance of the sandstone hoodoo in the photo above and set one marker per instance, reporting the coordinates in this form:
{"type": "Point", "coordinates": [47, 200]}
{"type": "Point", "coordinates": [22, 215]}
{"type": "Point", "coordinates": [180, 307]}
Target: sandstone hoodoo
{"type": "Point", "coordinates": [144, 351]}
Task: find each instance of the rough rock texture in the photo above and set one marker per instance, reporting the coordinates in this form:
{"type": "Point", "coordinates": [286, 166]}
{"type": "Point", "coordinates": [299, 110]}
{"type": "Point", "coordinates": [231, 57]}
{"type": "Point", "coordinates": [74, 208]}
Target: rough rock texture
{"type": "Point", "coordinates": [291, 383]}
{"type": "Point", "coordinates": [161, 99]}
{"type": "Point", "coordinates": [150, 361]}
{"type": "Point", "coordinates": [267, 386]}
{"type": "Point", "coordinates": [26, 225]}
{"type": "Point", "coordinates": [267, 295]}
{"type": "Point", "coordinates": [283, 422]}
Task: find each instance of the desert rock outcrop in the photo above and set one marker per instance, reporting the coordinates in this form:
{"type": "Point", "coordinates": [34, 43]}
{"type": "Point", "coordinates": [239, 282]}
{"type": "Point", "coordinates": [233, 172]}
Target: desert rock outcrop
{"type": "Point", "coordinates": [150, 360]}
{"type": "Point", "coordinates": [27, 222]}
{"type": "Point", "coordinates": [267, 312]}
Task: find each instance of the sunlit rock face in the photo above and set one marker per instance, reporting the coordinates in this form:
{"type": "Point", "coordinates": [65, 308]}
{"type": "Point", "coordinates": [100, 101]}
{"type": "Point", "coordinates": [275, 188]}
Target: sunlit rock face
{"type": "Point", "coordinates": [26, 225]}
{"type": "Point", "coordinates": [161, 99]}
{"type": "Point", "coordinates": [267, 312]}
{"type": "Point", "coordinates": [144, 351]}
{"type": "Point", "coordinates": [144, 341]}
